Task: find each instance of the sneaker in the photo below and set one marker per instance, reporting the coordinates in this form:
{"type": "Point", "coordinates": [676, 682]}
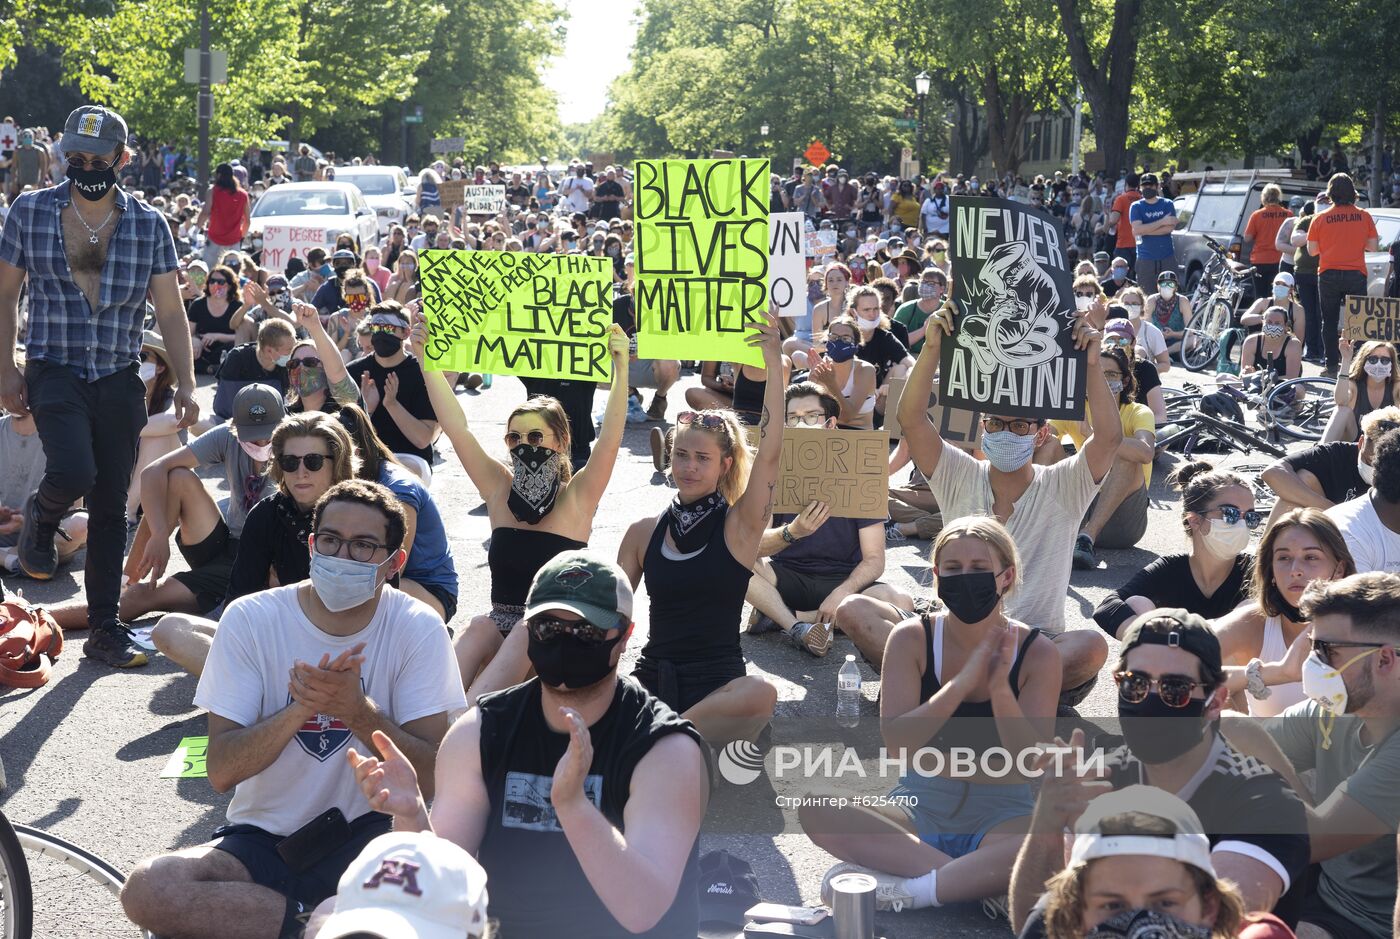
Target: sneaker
{"type": "Point", "coordinates": [1084, 558]}
{"type": "Point", "coordinates": [659, 452]}
{"type": "Point", "coordinates": [760, 623]}
{"type": "Point", "coordinates": [890, 894]}
{"type": "Point", "coordinates": [997, 907]}
{"type": "Point", "coordinates": [37, 555]}
{"type": "Point", "coordinates": [113, 644]}
{"type": "Point", "coordinates": [893, 535]}
{"type": "Point", "coordinates": [636, 414]}
{"type": "Point", "coordinates": [813, 637]}
{"type": "Point", "coordinates": [657, 409]}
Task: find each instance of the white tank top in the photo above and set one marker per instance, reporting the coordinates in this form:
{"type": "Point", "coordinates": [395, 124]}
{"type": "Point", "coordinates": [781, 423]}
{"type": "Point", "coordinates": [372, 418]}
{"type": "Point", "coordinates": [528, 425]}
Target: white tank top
{"type": "Point", "coordinates": [1285, 696]}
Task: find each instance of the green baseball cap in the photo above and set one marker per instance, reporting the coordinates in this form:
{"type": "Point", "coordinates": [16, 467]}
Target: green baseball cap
{"type": "Point", "coordinates": [584, 585]}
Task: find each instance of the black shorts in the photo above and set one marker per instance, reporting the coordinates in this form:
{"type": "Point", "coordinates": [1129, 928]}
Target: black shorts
{"type": "Point", "coordinates": [806, 591]}
{"type": "Point", "coordinates": [211, 566]}
{"type": "Point", "coordinates": [683, 685]}
{"type": "Point", "coordinates": [447, 598]}
{"type": "Point", "coordinates": [256, 850]}
{"type": "Point", "coordinates": [1316, 911]}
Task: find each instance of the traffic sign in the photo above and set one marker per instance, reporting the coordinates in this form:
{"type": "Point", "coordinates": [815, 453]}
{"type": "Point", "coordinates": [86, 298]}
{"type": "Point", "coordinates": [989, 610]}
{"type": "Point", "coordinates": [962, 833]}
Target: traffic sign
{"type": "Point", "coordinates": [905, 123]}
{"type": "Point", "coordinates": [416, 117]}
{"type": "Point", "coordinates": [218, 66]}
{"type": "Point", "coordinates": [817, 153]}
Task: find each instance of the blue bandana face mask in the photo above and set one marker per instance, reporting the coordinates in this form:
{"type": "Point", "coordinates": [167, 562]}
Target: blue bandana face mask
{"type": "Point", "coordinates": [840, 350]}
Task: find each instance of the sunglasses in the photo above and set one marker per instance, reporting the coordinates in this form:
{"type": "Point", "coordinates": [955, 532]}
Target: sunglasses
{"type": "Point", "coordinates": [1377, 359]}
{"type": "Point", "coordinates": [706, 419]}
{"type": "Point", "coordinates": [1232, 514]}
{"type": "Point", "coordinates": [360, 549]}
{"type": "Point", "coordinates": [1324, 647]}
{"type": "Point", "coordinates": [215, 282]}
{"type": "Point", "coordinates": [995, 425]}
{"type": "Point", "coordinates": [534, 438]}
{"type": "Point", "coordinates": [545, 628]}
{"type": "Point", "coordinates": [79, 163]}
{"type": "Point", "coordinates": [313, 461]}
{"type": "Point", "coordinates": [310, 361]}
{"type": "Point", "coordinates": [1174, 690]}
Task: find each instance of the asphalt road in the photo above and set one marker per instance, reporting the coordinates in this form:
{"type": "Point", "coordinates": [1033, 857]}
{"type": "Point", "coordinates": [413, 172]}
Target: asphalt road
{"type": "Point", "coordinates": [83, 754]}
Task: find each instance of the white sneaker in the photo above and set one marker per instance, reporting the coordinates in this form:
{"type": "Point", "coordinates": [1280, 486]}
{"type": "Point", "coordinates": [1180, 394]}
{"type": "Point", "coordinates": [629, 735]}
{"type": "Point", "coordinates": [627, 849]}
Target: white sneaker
{"type": "Point", "coordinates": [889, 890]}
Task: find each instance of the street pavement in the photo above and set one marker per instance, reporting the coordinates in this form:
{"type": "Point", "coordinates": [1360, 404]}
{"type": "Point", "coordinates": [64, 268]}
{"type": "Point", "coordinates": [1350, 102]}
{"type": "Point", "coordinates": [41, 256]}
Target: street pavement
{"type": "Point", "coordinates": [82, 755]}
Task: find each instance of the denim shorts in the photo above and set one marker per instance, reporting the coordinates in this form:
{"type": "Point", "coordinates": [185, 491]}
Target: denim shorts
{"type": "Point", "coordinates": [953, 815]}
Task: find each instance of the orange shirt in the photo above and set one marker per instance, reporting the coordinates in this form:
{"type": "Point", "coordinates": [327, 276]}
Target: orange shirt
{"type": "Point", "coordinates": [1262, 230]}
{"type": "Point", "coordinates": [1341, 234]}
{"type": "Point", "coordinates": [1121, 205]}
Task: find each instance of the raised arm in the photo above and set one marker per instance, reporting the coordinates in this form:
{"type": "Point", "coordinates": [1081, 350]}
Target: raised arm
{"type": "Point", "coordinates": [755, 506]}
{"type": "Point", "coordinates": [1106, 427]}
{"type": "Point", "coordinates": [588, 484]}
{"type": "Point", "coordinates": [336, 375]}
{"type": "Point", "coordinates": [920, 435]}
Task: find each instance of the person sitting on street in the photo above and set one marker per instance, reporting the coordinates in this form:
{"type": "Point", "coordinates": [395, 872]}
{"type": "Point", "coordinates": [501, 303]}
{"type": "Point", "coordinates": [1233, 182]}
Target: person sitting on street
{"type": "Point", "coordinates": [809, 562]}
{"type": "Point", "coordinates": [161, 435]}
{"type": "Point", "coordinates": [263, 361]}
{"type": "Point", "coordinates": [1274, 349]}
{"type": "Point", "coordinates": [1329, 474]}
{"type": "Point", "coordinates": [393, 391]}
{"type": "Point", "coordinates": [316, 371]}
{"type": "Point", "coordinates": [1367, 385]}
{"type": "Point", "coordinates": [1168, 310]}
{"type": "Point", "coordinates": [1370, 523]}
{"type": "Point", "coordinates": [366, 662]}
{"type": "Point", "coordinates": [22, 457]}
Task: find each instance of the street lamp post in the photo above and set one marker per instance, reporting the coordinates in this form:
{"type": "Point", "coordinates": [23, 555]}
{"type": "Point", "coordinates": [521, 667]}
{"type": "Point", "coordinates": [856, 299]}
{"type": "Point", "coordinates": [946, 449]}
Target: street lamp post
{"type": "Point", "coordinates": [921, 85]}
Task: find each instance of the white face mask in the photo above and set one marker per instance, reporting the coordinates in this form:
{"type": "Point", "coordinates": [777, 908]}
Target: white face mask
{"type": "Point", "coordinates": [1274, 330]}
{"type": "Point", "coordinates": [1280, 291]}
{"type": "Point", "coordinates": [1083, 304]}
{"type": "Point", "coordinates": [1167, 290]}
{"type": "Point", "coordinates": [1134, 310]}
{"type": "Point", "coordinates": [868, 325]}
{"type": "Point", "coordinates": [1380, 371]}
{"type": "Point", "coordinates": [1366, 471]}
{"type": "Point", "coordinates": [257, 454]}
{"type": "Point", "coordinates": [1324, 684]}
{"type": "Point", "coordinates": [147, 371]}
{"type": "Point", "coordinates": [343, 583]}
{"type": "Point", "coordinates": [1225, 540]}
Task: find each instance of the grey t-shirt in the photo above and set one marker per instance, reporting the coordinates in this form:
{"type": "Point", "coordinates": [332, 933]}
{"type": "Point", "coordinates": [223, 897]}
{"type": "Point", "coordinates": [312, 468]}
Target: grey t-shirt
{"type": "Point", "coordinates": [245, 484]}
{"type": "Point", "coordinates": [1359, 884]}
{"type": "Point", "coordinates": [1043, 523]}
{"type": "Point", "coordinates": [22, 459]}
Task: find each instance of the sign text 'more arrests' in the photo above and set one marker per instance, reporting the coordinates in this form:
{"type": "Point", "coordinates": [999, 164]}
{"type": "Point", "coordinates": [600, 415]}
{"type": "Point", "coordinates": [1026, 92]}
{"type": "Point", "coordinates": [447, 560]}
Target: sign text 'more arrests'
{"type": "Point", "coordinates": [1013, 348]}
{"type": "Point", "coordinates": [510, 313]}
{"type": "Point", "coordinates": [702, 258]}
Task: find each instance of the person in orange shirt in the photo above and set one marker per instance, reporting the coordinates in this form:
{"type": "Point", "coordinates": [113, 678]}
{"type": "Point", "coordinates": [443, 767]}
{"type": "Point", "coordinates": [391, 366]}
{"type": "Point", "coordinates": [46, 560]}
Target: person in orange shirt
{"type": "Point", "coordinates": [1124, 244]}
{"type": "Point", "coordinates": [1259, 237]}
{"type": "Point", "coordinates": [1340, 238]}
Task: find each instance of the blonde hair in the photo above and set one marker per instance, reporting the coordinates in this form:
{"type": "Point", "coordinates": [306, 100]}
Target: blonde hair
{"type": "Point", "coordinates": [1272, 194]}
{"type": "Point", "coordinates": [345, 463]}
{"type": "Point", "coordinates": [986, 530]}
{"type": "Point", "coordinates": [552, 413]}
{"type": "Point", "coordinates": [1358, 360]}
{"type": "Point", "coordinates": [1369, 422]}
{"type": "Point", "coordinates": [1064, 910]}
{"type": "Point", "coordinates": [733, 443]}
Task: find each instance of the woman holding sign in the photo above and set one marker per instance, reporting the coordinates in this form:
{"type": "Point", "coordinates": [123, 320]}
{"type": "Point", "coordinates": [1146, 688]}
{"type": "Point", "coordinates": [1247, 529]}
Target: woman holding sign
{"type": "Point", "coordinates": [538, 507]}
{"type": "Point", "coordinates": [836, 281]}
{"type": "Point", "coordinates": [698, 556]}
{"type": "Point", "coordinates": [1368, 384]}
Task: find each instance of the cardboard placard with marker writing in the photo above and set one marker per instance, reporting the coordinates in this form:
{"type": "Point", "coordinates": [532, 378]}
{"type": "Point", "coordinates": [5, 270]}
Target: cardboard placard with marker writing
{"type": "Point", "coordinates": [1371, 318]}
{"type": "Point", "coordinates": [846, 469]}
{"type": "Point", "coordinates": [510, 313]}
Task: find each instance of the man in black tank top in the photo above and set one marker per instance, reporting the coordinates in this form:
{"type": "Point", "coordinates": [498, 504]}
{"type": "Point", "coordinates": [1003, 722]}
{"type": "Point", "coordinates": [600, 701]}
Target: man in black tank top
{"type": "Point", "coordinates": [574, 779]}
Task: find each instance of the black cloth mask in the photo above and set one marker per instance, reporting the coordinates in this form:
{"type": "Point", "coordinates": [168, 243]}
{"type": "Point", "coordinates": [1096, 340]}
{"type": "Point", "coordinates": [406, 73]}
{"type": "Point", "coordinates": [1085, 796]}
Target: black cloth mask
{"type": "Point", "coordinates": [692, 526]}
{"type": "Point", "coordinates": [569, 662]}
{"type": "Point", "coordinates": [1158, 733]}
{"type": "Point", "coordinates": [1147, 924]}
{"type": "Point", "coordinates": [386, 345]}
{"type": "Point", "coordinates": [92, 185]}
{"type": "Point", "coordinates": [970, 597]}
{"type": "Point", "coordinates": [534, 483]}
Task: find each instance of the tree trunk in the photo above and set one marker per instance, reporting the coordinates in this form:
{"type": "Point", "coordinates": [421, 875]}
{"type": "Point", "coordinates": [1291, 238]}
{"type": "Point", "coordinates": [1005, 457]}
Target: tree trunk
{"type": "Point", "coordinates": [1307, 143]}
{"type": "Point", "coordinates": [1377, 152]}
{"type": "Point", "coordinates": [1108, 83]}
{"type": "Point", "coordinates": [1006, 117]}
{"type": "Point", "coordinates": [294, 129]}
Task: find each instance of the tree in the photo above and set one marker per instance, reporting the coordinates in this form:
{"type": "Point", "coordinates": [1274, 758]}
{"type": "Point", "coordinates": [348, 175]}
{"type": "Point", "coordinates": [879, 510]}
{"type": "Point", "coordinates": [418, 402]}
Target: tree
{"type": "Point", "coordinates": [1106, 75]}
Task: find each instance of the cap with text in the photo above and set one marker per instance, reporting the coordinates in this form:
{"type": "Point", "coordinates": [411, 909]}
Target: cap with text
{"type": "Point", "coordinates": [93, 129]}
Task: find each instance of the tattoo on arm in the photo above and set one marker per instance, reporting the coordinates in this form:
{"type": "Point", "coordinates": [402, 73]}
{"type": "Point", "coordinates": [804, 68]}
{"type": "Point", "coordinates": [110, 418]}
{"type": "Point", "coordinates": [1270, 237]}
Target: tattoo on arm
{"type": "Point", "coordinates": [763, 423]}
{"type": "Point", "coordinates": [771, 487]}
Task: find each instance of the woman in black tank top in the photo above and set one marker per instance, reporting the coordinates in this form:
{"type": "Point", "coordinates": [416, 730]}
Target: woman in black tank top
{"type": "Point", "coordinates": [547, 508]}
{"type": "Point", "coordinates": [698, 556]}
{"type": "Point", "coordinates": [968, 677]}
{"type": "Point", "coordinates": [1273, 349]}
{"type": "Point", "coordinates": [1367, 384]}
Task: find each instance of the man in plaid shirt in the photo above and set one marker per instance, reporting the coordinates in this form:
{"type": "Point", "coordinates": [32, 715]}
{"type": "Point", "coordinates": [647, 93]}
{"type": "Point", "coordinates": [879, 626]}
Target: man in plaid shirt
{"type": "Point", "coordinates": [91, 261]}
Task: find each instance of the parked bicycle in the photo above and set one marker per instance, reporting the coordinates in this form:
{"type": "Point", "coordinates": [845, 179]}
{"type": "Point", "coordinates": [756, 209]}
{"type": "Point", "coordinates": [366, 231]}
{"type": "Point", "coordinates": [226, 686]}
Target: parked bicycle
{"type": "Point", "coordinates": [1215, 303]}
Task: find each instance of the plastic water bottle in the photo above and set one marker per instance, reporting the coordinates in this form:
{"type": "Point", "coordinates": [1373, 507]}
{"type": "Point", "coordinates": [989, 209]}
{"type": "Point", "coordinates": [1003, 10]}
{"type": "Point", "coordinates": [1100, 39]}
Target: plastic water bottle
{"type": "Point", "coordinates": [848, 693]}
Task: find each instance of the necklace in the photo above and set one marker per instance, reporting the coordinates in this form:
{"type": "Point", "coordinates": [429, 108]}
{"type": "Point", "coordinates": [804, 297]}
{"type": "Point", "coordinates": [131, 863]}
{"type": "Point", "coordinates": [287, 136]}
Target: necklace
{"type": "Point", "coordinates": [92, 232]}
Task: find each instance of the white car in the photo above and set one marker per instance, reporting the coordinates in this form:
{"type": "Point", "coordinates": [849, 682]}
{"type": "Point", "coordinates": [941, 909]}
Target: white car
{"type": "Point", "coordinates": [385, 188]}
{"type": "Point", "coordinates": [1378, 262]}
{"type": "Point", "coordinates": [336, 207]}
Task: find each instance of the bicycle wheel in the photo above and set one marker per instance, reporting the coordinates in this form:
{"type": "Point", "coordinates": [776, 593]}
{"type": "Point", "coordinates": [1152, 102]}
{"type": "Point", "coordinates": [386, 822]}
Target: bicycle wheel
{"type": "Point", "coordinates": [16, 909]}
{"type": "Point", "coordinates": [1198, 350]}
{"type": "Point", "coordinates": [75, 891]}
{"type": "Point", "coordinates": [1264, 497]}
{"type": "Point", "coordinates": [1301, 407]}
{"type": "Point", "coordinates": [1245, 440]}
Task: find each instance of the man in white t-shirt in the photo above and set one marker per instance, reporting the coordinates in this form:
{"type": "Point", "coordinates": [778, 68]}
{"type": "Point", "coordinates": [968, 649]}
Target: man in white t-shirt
{"type": "Point", "coordinates": [1370, 523]}
{"type": "Point", "coordinates": [934, 212]}
{"type": "Point", "coordinates": [1042, 506]}
{"type": "Point", "coordinates": [295, 676]}
{"type": "Point", "coordinates": [576, 191]}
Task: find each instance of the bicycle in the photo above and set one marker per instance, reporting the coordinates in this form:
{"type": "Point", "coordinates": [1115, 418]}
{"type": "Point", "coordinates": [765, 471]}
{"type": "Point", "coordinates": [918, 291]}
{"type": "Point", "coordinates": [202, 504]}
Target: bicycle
{"type": "Point", "coordinates": [1216, 311]}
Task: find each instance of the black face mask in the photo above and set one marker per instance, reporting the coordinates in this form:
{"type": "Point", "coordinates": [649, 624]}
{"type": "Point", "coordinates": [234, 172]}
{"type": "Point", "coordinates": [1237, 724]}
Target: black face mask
{"type": "Point", "coordinates": [1279, 603]}
{"type": "Point", "coordinates": [970, 597]}
{"type": "Point", "coordinates": [1157, 733]}
{"type": "Point", "coordinates": [569, 662]}
{"type": "Point", "coordinates": [534, 483]}
{"type": "Point", "coordinates": [1149, 192]}
{"type": "Point", "coordinates": [92, 184]}
{"type": "Point", "coordinates": [1147, 924]}
{"type": "Point", "coordinates": [386, 345]}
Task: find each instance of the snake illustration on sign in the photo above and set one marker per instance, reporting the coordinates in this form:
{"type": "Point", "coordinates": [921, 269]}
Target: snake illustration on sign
{"type": "Point", "coordinates": [1012, 352]}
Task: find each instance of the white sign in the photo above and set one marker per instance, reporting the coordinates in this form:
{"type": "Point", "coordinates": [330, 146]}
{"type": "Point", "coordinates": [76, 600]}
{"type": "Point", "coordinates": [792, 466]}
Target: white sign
{"type": "Point", "coordinates": [218, 66]}
{"type": "Point", "coordinates": [448, 145]}
{"type": "Point", "coordinates": [787, 265]}
{"type": "Point", "coordinates": [281, 243]}
{"type": "Point", "coordinates": [9, 136]}
{"type": "Point", "coordinates": [484, 200]}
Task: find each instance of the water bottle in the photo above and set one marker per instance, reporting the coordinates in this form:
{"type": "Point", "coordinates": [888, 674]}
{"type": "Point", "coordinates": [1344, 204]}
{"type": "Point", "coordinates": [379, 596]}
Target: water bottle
{"type": "Point", "coordinates": [848, 693]}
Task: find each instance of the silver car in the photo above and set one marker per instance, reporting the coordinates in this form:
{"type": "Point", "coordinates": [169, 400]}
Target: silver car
{"type": "Point", "coordinates": [385, 188]}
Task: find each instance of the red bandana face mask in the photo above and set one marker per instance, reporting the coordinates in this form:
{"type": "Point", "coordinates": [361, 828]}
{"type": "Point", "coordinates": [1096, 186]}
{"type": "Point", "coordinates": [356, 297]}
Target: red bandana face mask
{"type": "Point", "coordinates": [358, 304]}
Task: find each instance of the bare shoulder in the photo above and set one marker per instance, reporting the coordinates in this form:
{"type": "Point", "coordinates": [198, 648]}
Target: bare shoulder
{"type": "Point", "coordinates": [1241, 632]}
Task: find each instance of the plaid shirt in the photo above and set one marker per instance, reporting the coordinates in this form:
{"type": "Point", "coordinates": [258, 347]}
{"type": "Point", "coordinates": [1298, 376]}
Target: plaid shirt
{"type": "Point", "coordinates": [62, 327]}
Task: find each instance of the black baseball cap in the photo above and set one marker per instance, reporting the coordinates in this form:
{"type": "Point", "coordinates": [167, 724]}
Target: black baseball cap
{"type": "Point", "coordinates": [257, 410]}
{"type": "Point", "coordinates": [1148, 179]}
{"type": "Point", "coordinates": [728, 888]}
{"type": "Point", "coordinates": [1178, 629]}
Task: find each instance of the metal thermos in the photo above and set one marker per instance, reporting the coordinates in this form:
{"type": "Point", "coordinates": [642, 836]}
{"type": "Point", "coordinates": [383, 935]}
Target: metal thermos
{"type": "Point", "coordinates": [853, 905]}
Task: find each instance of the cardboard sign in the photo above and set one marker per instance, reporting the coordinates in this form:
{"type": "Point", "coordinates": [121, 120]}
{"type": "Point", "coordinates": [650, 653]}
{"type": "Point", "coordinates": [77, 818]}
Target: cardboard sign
{"type": "Point", "coordinates": [281, 243]}
{"type": "Point", "coordinates": [511, 313]}
{"type": "Point", "coordinates": [9, 136]}
{"type": "Point", "coordinates": [702, 258]}
{"type": "Point", "coordinates": [787, 270]}
{"type": "Point", "coordinates": [187, 762]}
{"type": "Point", "coordinates": [849, 470]}
{"type": "Point", "coordinates": [452, 194]}
{"type": "Point", "coordinates": [447, 145]}
{"type": "Point", "coordinates": [484, 200]}
{"type": "Point", "coordinates": [1372, 318]}
{"type": "Point", "coordinates": [958, 426]}
{"type": "Point", "coordinates": [1013, 350]}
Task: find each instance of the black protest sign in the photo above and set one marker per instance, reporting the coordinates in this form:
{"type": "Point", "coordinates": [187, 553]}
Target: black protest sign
{"type": "Point", "coordinates": [1012, 352]}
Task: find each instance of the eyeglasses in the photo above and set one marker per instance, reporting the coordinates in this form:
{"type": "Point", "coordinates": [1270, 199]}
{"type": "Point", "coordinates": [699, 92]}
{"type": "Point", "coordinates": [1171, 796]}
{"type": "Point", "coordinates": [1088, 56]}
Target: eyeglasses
{"type": "Point", "coordinates": [1174, 690]}
{"type": "Point", "coordinates": [360, 549]}
{"type": "Point", "coordinates": [706, 419]}
{"type": "Point", "coordinates": [1231, 514]}
{"type": "Point", "coordinates": [545, 628]}
{"type": "Point", "coordinates": [811, 420]}
{"type": "Point", "coordinates": [1324, 647]}
{"type": "Point", "coordinates": [310, 361]}
{"type": "Point", "coordinates": [290, 463]}
{"type": "Point", "coordinates": [100, 166]}
{"type": "Point", "coordinates": [1377, 359]}
{"type": "Point", "coordinates": [534, 438]}
{"type": "Point", "coordinates": [995, 425]}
